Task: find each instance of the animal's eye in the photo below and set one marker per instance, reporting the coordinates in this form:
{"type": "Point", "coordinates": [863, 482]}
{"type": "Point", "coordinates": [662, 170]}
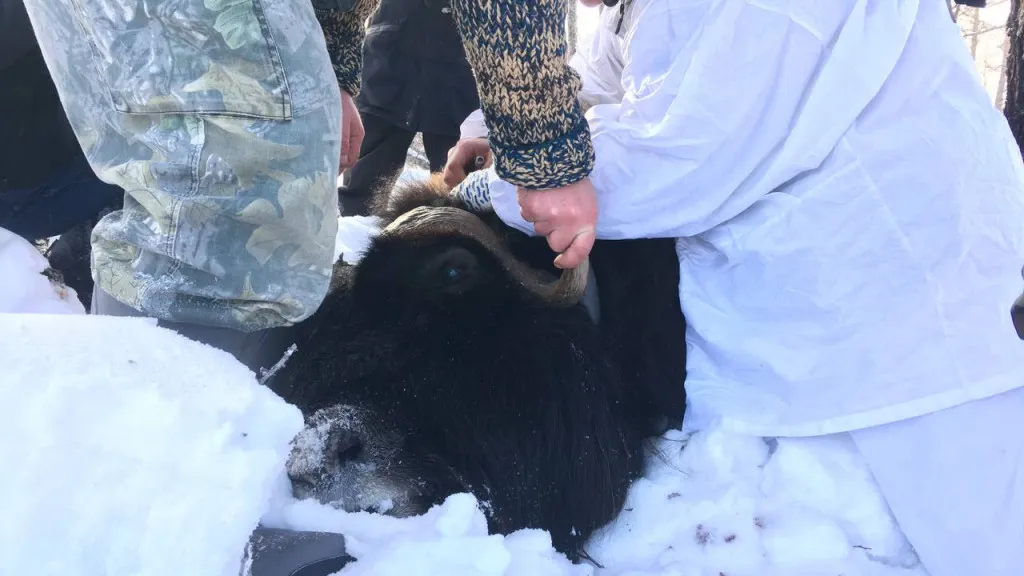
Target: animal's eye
{"type": "Point", "coordinates": [453, 269]}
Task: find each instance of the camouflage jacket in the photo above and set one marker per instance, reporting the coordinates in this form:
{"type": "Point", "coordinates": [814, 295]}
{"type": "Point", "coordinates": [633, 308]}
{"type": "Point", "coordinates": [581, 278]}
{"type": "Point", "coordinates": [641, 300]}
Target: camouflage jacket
{"type": "Point", "coordinates": [527, 90]}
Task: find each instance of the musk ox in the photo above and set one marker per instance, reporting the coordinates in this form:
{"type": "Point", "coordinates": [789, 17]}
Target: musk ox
{"type": "Point", "coordinates": [454, 357]}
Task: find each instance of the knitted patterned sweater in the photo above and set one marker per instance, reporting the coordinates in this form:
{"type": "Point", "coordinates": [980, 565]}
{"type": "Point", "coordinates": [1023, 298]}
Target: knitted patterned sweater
{"type": "Point", "coordinates": [517, 49]}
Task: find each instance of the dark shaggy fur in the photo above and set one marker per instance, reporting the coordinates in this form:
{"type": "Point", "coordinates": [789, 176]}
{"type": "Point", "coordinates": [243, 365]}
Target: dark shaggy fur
{"type": "Point", "coordinates": [69, 255]}
{"type": "Point", "coordinates": [427, 372]}
{"type": "Point", "coordinates": [537, 411]}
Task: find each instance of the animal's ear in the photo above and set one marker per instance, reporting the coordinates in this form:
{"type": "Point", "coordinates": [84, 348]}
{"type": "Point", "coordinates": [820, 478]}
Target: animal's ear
{"type": "Point", "coordinates": [407, 195]}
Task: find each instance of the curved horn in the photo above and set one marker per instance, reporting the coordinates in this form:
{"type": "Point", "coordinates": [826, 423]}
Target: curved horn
{"type": "Point", "coordinates": [433, 221]}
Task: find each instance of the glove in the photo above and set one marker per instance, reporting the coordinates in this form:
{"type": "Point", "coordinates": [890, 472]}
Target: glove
{"type": "Point", "coordinates": [474, 191]}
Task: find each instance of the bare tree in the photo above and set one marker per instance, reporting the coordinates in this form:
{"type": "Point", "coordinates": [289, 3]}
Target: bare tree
{"type": "Point", "coordinates": [955, 10]}
{"type": "Point", "coordinates": [1000, 99]}
{"type": "Point", "coordinates": [975, 34]}
{"type": "Point", "coordinates": [1014, 108]}
{"type": "Point", "coordinates": [572, 26]}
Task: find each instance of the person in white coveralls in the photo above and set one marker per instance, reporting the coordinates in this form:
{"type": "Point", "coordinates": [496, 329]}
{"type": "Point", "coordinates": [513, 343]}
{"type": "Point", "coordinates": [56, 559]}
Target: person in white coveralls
{"type": "Point", "coordinates": [849, 208]}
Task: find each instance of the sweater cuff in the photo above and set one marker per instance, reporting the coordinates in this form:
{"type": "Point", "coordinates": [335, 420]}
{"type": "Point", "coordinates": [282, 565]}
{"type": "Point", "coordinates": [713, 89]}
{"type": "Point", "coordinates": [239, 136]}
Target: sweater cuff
{"type": "Point", "coordinates": [552, 164]}
{"type": "Point", "coordinates": [348, 79]}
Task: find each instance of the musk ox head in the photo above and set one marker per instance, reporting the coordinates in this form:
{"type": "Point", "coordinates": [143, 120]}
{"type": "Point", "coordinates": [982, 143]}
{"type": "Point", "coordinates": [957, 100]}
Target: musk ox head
{"type": "Point", "coordinates": [443, 362]}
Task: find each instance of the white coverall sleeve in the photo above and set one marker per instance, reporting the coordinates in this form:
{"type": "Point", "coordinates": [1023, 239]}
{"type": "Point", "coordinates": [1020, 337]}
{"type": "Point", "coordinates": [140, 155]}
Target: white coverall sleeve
{"type": "Point", "coordinates": [599, 64]}
{"type": "Point", "coordinates": [473, 126]}
{"type": "Point", "coordinates": [713, 92]}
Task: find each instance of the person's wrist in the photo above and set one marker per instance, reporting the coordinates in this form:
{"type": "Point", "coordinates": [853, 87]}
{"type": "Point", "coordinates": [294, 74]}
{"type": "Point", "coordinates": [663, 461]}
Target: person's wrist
{"type": "Point", "coordinates": [552, 164]}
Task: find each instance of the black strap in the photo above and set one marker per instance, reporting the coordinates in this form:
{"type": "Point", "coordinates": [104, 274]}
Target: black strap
{"type": "Point", "coordinates": [335, 5]}
{"type": "Point", "coordinates": [622, 14]}
{"type": "Point", "coordinates": [1017, 315]}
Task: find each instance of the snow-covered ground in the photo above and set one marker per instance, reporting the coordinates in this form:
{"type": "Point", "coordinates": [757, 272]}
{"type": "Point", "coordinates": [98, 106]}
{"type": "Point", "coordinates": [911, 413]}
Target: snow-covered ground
{"type": "Point", "coordinates": [23, 288]}
{"type": "Point", "coordinates": [712, 504]}
{"type": "Point", "coordinates": [129, 450]}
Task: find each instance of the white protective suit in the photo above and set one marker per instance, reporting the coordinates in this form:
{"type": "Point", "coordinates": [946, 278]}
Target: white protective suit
{"type": "Point", "coordinates": [848, 202]}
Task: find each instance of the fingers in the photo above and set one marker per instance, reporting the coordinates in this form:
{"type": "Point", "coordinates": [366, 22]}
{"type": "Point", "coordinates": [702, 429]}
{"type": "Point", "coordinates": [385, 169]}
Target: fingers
{"type": "Point", "coordinates": [571, 247]}
{"type": "Point", "coordinates": [358, 133]}
{"type": "Point", "coordinates": [561, 237]}
{"type": "Point", "coordinates": [544, 228]}
{"type": "Point", "coordinates": [352, 133]}
{"type": "Point", "coordinates": [346, 147]}
{"type": "Point", "coordinates": [528, 207]}
{"type": "Point", "coordinates": [538, 206]}
{"type": "Point", "coordinates": [351, 141]}
{"type": "Point", "coordinates": [566, 216]}
{"type": "Point", "coordinates": [462, 160]}
{"type": "Point", "coordinates": [454, 171]}
{"type": "Point", "coordinates": [580, 248]}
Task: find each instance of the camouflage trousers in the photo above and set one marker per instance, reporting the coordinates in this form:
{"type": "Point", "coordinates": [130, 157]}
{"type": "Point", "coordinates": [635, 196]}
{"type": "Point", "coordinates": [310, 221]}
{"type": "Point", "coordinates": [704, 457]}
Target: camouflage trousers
{"type": "Point", "coordinates": [221, 121]}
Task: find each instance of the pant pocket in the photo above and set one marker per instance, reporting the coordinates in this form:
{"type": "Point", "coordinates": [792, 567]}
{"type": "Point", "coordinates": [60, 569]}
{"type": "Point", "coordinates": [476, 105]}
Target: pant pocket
{"type": "Point", "coordinates": [187, 56]}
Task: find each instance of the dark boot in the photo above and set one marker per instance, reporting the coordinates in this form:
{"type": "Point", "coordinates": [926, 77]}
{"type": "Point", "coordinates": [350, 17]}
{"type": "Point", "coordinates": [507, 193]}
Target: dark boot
{"type": "Point", "coordinates": [259, 351]}
{"type": "Point", "coordinates": [273, 552]}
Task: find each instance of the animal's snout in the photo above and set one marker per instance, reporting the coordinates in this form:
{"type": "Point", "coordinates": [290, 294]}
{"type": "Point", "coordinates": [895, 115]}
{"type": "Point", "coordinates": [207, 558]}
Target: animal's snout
{"type": "Point", "coordinates": [331, 442]}
{"type": "Point", "coordinates": [312, 470]}
{"type": "Point", "coordinates": [348, 447]}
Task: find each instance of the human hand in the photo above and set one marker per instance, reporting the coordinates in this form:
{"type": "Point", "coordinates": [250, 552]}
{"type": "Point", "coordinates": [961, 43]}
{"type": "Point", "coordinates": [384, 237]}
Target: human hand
{"type": "Point", "coordinates": [351, 132]}
{"type": "Point", "coordinates": [566, 216]}
{"type": "Point", "coordinates": [462, 159]}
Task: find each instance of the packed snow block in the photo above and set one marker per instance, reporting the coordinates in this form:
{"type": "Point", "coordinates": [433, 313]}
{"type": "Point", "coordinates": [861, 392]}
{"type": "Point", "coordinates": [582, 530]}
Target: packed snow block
{"type": "Point", "coordinates": [129, 450]}
{"type": "Point", "coordinates": [451, 538]}
{"type": "Point", "coordinates": [23, 288]}
{"type": "Point", "coordinates": [356, 232]}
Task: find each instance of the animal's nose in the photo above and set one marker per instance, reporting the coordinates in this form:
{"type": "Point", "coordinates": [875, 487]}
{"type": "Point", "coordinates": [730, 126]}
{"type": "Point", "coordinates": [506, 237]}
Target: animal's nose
{"type": "Point", "coordinates": [347, 447]}
{"type": "Point", "coordinates": [303, 485]}
{"type": "Point", "coordinates": [319, 457]}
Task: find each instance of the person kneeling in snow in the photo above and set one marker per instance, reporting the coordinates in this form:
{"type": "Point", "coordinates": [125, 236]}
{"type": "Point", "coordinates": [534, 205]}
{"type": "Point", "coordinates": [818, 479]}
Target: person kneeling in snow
{"type": "Point", "coordinates": [849, 208]}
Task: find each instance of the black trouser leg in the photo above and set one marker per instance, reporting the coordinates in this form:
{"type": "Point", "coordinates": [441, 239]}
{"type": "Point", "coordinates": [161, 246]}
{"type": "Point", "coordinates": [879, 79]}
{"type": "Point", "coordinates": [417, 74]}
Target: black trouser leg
{"type": "Point", "coordinates": [257, 350]}
{"type": "Point", "coordinates": [437, 146]}
{"type": "Point", "coordinates": [381, 159]}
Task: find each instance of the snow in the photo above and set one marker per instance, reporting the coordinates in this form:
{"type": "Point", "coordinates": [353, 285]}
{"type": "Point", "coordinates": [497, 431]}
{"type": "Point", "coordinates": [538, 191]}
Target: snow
{"type": "Point", "coordinates": [355, 232]}
{"type": "Point", "coordinates": [709, 504]}
{"type": "Point", "coordinates": [354, 236]}
{"type": "Point", "coordinates": [131, 450]}
{"type": "Point", "coordinates": [24, 288]}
